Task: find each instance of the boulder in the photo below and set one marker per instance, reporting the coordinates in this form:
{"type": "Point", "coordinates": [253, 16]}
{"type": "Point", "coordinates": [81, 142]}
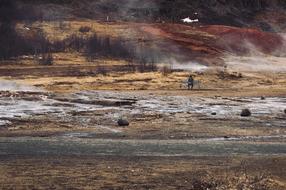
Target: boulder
{"type": "Point", "coordinates": [285, 111]}
{"type": "Point", "coordinates": [214, 113]}
{"type": "Point", "coordinates": [122, 123]}
{"type": "Point", "coordinates": [263, 98]}
{"type": "Point", "coordinates": [245, 113]}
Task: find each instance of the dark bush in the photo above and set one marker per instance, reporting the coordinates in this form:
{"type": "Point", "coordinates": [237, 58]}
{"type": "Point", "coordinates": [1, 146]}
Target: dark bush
{"type": "Point", "coordinates": [74, 42]}
{"type": "Point", "coordinates": [8, 11]}
{"type": "Point", "coordinates": [166, 70]}
{"type": "Point", "coordinates": [101, 70]}
{"type": "Point", "coordinates": [105, 46]}
{"type": "Point", "coordinates": [13, 45]}
{"type": "Point", "coordinates": [84, 29]}
{"type": "Point", "coordinates": [142, 58]}
{"type": "Point", "coordinates": [200, 184]}
{"type": "Point", "coordinates": [46, 59]}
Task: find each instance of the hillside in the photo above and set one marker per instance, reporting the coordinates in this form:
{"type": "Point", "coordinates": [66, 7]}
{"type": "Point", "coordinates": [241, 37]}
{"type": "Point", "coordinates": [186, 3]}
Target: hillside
{"type": "Point", "coordinates": [268, 15]}
{"type": "Point", "coordinates": [224, 27]}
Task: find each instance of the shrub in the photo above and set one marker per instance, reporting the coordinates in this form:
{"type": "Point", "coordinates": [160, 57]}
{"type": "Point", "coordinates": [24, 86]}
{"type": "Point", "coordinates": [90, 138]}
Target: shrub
{"type": "Point", "coordinates": [13, 45]}
{"type": "Point", "coordinates": [84, 29]}
{"type": "Point", "coordinates": [101, 70]}
{"type": "Point", "coordinates": [46, 59]}
{"type": "Point", "coordinates": [64, 25]}
{"type": "Point", "coordinates": [74, 42]}
{"type": "Point", "coordinates": [166, 70]}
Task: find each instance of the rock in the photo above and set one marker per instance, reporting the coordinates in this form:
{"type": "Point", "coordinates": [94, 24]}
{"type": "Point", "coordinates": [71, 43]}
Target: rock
{"type": "Point", "coordinates": [263, 98]}
{"type": "Point", "coordinates": [245, 113]}
{"type": "Point", "coordinates": [213, 113]}
{"type": "Point", "coordinates": [226, 137]}
{"type": "Point", "coordinates": [285, 111]}
{"type": "Point", "coordinates": [122, 123]}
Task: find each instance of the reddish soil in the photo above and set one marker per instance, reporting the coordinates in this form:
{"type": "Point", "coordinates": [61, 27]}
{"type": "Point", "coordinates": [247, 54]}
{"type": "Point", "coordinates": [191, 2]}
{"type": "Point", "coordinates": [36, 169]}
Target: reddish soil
{"type": "Point", "coordinates": [213, 41]}
{"type": "Point", "coordinates": [232, 38]}
{"type": "Point", "coordinates": [198, 46]}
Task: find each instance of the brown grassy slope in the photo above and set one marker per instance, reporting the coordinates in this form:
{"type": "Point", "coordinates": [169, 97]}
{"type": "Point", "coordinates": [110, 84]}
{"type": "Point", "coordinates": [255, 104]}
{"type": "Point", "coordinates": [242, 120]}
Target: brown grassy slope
{"type": "Point", "coordinates": [142, 173]}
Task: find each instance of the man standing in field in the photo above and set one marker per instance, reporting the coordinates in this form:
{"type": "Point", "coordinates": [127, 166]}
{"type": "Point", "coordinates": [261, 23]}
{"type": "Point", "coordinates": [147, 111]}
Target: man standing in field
{"type": "Point", "coordinates": [191, 82]}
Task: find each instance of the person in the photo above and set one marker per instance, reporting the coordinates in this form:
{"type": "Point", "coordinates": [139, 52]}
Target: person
{"type": "Point", "coordinates": [191, 82]}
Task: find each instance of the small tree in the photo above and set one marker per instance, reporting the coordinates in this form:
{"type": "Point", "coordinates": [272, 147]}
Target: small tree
{"type": "Point", "coordinates": [84, 29]}
{"type": "Point", "coordinates": [166, 70]}
{"type": "Point", "coordinates": [46, 59]}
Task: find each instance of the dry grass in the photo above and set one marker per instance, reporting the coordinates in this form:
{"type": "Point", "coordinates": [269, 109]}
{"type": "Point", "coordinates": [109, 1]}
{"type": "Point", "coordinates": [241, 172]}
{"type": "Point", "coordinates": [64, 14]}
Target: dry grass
{"type": "Point", "coordinates": [142, 173]}
{"type": "Point", "coordinates": [211, 84]}
{"type": "Point", "coordinates": [55, 31]}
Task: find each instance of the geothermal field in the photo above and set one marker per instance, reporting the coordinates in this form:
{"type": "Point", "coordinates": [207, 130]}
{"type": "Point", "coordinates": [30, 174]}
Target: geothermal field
{"type": "Point", "coordinates": [94, 95]}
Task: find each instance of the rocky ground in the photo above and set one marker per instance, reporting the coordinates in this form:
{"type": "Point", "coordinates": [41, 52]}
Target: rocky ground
{"type": "Point", "coordinates": [165, 116]}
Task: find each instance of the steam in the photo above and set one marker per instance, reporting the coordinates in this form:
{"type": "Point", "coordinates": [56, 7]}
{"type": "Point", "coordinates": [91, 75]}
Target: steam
{"type": "Point", "coordinates": [187, 66]}
{"type": "Point", "coordinates": [282, 51]}
{"type": "Point", "coordinates": [16, 87]}
{"type": "Point", "coordinates": [262, 63]}
{"type": "Point", "coordinates": [124, 8]}
{"type": "Point", "coordinates": [256, 61]}
{"type": "Point", "coordinates": [131, 4]}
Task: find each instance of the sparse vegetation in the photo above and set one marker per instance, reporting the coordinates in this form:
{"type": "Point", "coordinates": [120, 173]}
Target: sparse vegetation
{"type": "Point", "coordinates": [105, 46]}
{"type": "Point", "coordinates": [84, 29]}
{"type": "Point", "coordinates": [225, 75]}
{"type": "Point", "coordinates": [166, 70]}
{"type": "Point", "coordinates": [46, 59]}
{"type": "Point", "coordinates": [101, 70]}
{"type": "Point", "coordinates": [12, 44]}
{"type": "Point", "coordinates": [95, 47]}
{"type": "Point", "coordinates": [64, 25]}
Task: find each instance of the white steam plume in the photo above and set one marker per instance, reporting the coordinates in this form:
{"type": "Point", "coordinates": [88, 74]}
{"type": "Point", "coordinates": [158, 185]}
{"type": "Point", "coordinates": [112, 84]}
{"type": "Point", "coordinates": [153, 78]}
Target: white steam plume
{"type": "Point", "coordinates": [187, 66]}
{"type": "Point", "coordinates": [13, 86]}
